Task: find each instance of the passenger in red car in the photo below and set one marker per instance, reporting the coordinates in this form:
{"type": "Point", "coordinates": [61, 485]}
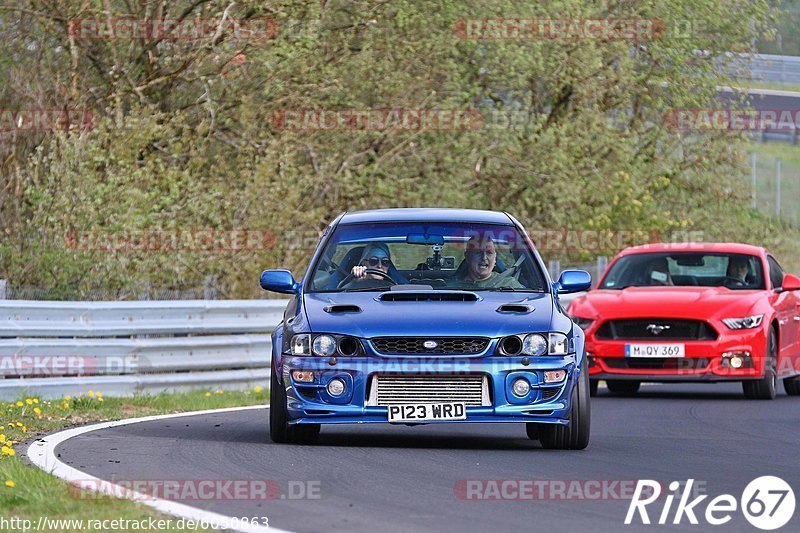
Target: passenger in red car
{"type": "Point", "coordinates": [657, 273]}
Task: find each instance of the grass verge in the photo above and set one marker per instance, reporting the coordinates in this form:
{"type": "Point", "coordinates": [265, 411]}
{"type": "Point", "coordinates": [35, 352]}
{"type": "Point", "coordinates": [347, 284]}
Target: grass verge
{"type": "Point", "coordinates": [28, 493]}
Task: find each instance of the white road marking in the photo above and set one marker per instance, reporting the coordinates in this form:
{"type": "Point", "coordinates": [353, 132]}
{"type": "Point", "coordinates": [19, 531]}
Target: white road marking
{"type": "Point", "coordinates": [41, 453]}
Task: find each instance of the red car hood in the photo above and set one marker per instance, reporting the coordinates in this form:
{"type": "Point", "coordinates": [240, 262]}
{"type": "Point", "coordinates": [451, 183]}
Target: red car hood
{"type": "Point", "coordinates": [665, 302]}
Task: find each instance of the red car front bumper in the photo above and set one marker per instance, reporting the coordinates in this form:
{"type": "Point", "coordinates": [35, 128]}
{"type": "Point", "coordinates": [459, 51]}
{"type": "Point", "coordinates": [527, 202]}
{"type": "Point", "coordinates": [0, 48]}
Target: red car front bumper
{"type": "Point", "coordinates": [703, 361]}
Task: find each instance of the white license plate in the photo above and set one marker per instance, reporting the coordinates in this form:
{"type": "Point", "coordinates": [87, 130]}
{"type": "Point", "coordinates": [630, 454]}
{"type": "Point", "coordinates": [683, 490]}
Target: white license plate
{"type": "Point", "coordinates": [655, 350]}
{"type": "Point", "coordinates": [420, 412]}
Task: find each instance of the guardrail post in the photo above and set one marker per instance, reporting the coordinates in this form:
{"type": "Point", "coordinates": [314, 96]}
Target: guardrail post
{"type": "Point", "coordinates": [753, 177]}
{"type": "Point", "coordinates": [209, 288]}
{"type": "Point", "coordinates": [602, 263]}
{"type": "Point", "coordinates": [778, 187]}
{"type": "Point", "coordinates": [554, 266]}
{"type": "Point", "coordinates": [3, 286]}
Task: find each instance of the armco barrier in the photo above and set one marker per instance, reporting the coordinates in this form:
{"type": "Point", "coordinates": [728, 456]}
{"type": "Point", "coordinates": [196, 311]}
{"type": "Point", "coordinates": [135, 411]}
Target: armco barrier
{"type": "Point", "coordinates": [52, 349]}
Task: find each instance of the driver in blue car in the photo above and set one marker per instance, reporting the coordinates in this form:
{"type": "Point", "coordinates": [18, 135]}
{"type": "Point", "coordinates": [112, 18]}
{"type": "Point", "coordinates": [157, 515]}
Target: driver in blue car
{"type": "Point", "coordinates": [376, 256]}
{"type": "Point", "coordinates": [480, 257]}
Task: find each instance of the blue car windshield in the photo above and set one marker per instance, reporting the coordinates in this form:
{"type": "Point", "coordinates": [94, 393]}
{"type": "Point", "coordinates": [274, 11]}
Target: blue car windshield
{"type": "Point", "coordinates": [440, 255]}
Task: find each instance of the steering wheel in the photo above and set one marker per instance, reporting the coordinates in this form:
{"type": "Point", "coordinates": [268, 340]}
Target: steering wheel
{"type": "Point", "coordinates": [374, 271]}
{"type": "Point", "coordinates": [736, 281]}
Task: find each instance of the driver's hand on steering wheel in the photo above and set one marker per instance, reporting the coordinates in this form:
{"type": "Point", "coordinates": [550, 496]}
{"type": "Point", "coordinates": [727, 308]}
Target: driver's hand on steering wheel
{"type": "Point", "coordinates": [359, 272]}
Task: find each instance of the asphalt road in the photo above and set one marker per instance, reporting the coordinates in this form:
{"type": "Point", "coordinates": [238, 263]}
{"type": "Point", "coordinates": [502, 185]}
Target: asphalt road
{"type": "Point", "coordinates": [413, 478]}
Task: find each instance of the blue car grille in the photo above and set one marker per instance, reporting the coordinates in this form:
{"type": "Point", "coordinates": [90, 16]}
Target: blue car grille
{"type": "Point", "coordinates": [443, 345]}
{"type": "Point", "coordinates": [470, 389]}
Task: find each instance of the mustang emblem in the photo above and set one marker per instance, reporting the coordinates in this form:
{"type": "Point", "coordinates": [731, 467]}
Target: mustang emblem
{"type": "Point", "coordinates": [430, 345]}
{"type": "Point", "coordinates": [656, 329]}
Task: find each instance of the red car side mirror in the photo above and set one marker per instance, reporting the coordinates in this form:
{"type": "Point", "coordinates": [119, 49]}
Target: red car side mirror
{"type": "Point", "coordinates": [791, 282]}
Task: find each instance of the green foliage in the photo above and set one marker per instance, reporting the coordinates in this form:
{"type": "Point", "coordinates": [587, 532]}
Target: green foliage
{"type": "Point", "coordinates": [574, 134]}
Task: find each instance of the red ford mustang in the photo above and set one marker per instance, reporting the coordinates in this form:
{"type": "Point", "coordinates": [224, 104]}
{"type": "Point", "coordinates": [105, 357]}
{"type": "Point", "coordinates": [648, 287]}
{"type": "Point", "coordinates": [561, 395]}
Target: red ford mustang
{"type": "Point", "coordinates": [693, 312]}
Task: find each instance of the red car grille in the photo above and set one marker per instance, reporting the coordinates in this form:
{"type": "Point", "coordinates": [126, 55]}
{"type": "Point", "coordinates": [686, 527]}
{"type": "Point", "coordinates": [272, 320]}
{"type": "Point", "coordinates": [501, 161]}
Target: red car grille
{"type": "Point", "coordinates": [656, 329]}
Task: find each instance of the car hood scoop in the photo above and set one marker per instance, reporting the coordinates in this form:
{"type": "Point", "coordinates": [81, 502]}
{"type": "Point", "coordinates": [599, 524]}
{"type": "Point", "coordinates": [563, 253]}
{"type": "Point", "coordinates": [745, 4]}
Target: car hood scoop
{"type": "Point", "coordinates": [342, 308]}
{"type": "Point", "coordinates": [514, 308]}
{"type": "Point", "coordinates": [428, 296]}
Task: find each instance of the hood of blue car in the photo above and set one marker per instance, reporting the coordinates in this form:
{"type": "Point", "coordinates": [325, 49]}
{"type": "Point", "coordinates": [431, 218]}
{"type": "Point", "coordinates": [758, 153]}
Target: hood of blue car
{"type": "Point", "coordinates": [378, 318]}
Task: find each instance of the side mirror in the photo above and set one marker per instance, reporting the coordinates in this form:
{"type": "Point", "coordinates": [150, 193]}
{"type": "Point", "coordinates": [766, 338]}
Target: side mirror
{"type": "Point", "coordinates": [573, 281]}
{"type": "Point", "coordinates": [791, 282]}
{"type": "Point", "coordinates": [279, 281]}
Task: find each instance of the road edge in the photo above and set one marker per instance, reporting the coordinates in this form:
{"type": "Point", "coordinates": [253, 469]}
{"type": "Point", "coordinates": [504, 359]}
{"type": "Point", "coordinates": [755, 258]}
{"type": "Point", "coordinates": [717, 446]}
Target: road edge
{"type": "Point", "coordinates": [41, 453]}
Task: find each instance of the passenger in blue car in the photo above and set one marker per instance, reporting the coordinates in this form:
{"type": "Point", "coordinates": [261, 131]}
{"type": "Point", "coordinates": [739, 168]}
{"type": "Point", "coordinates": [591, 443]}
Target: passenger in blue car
{"type": "Point", "coordinates": [480, 258]}
{"type": "Point", "coordinates": [376, 256]}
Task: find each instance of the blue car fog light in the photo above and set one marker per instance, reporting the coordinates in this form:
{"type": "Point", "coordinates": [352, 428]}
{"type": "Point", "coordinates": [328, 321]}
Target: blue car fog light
{"type": "Point", "coordinates": [336, 387]}
{"type": "Point", "coordinates": [521, 387]}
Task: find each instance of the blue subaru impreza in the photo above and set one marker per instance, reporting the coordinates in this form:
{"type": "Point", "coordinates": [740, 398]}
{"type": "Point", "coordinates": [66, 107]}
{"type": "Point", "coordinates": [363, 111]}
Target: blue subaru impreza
{"type": "Point", "coordinates": [417, 316]}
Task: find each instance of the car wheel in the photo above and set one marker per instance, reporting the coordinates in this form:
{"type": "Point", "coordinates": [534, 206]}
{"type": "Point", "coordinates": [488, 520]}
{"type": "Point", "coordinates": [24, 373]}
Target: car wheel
{"type": "Point", "coordinates": [279, 429]}
{"type": "Point", "coordinates": [792, 386]}
{"type": "Point", "coordinates": [593, 387]}
{"type": "Point", "coordinates": [574, 436]}
{"type": "Point", "coordinates": [626, 388]}
{"type": "Point", "coordinates": [766, 387]}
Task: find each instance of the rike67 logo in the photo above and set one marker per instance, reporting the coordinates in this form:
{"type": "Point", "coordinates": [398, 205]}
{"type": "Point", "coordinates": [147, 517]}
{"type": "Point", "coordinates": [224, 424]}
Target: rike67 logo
{"type": "Point", "coordinates": [767, 503]}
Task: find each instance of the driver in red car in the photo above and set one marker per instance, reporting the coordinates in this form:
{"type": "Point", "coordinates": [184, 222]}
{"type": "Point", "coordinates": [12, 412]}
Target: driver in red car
{"type": "Point", "coordinates": [375, 256]}
{"type": "Point", "coordinates": [738, 270]}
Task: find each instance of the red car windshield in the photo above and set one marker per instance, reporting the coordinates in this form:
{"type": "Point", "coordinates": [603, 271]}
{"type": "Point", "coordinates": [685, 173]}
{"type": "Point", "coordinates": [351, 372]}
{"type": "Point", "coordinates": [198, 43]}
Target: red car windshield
{"type": "Point", "coordinates": [687, 269]}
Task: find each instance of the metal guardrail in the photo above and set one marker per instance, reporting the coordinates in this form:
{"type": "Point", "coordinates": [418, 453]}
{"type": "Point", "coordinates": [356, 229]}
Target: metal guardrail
{"type": "Point", "coordinates": [768, 67]}
{"type": "Point", "coordinates": [121, 348]}
{"type": "Point", "coordinates": [52, 349]}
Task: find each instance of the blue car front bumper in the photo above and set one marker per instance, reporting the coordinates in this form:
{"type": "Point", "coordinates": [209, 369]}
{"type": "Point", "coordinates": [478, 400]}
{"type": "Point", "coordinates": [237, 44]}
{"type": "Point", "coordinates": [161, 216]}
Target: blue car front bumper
{"type": "Point", "coordinates": [310, 402]}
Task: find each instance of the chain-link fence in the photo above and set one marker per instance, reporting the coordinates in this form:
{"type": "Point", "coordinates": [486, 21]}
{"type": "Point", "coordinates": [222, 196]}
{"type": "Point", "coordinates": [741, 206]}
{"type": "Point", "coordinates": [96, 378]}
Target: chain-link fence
{"type": "Point", "coordinates": [775, 187]}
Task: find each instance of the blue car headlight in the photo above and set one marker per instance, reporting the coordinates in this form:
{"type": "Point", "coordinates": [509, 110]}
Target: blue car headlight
{"type": "Point", "coordinates": [325, 345]}
{"type": "Point", "coordinates": [534, 344]}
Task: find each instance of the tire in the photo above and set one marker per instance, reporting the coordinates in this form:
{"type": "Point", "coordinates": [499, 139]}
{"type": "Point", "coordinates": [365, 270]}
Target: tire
{"type": "Point", "coordinates": [624, 388]}
{"type": "Point", "coordinates": [792, 386]}
{"type": "Point", "coordinates": [593, 387]}
{"type": "Point", "coordinates": [766, 387]}
{"type": "Point", "coordinates": [279, 429]}
{"type": "Point", "coordinates": [574, 436]}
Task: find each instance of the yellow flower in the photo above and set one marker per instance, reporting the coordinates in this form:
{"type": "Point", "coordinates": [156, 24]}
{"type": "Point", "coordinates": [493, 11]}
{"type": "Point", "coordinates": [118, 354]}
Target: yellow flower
{"type": "Point", "coordinates": [24, 429]}
{"type": "Point", "coordinates": [90, 393]}
{"type": "Point", "coordinates": [10, 483]}
{"type": "Point", "coordinates": [8, 451]}
{"type": "Point", "coordinates": [19, 424]}
{"type": "Point", "coordinates": [208, 394]}
{"type": "Point", "coordinates": [20, 404]}
{"type": "Point", "coordinates": [258, 389]}
{"type": "Point", "coordinates": [37, 410]}
{"type": "Point", "coordinates": [99, 394]}
{"type": "Point", "coordinates": [28, 401]}
{"type": "Point", "coordinates": [65, 405]}
{"type": "Point", "coordinates": [36, 400]}
{"type": "Point", "coordinates": [100, 399]}
{"type": "Point", "coordinates": [67, 398]}
{"type": "Point", "coordinates": [2, 438]}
